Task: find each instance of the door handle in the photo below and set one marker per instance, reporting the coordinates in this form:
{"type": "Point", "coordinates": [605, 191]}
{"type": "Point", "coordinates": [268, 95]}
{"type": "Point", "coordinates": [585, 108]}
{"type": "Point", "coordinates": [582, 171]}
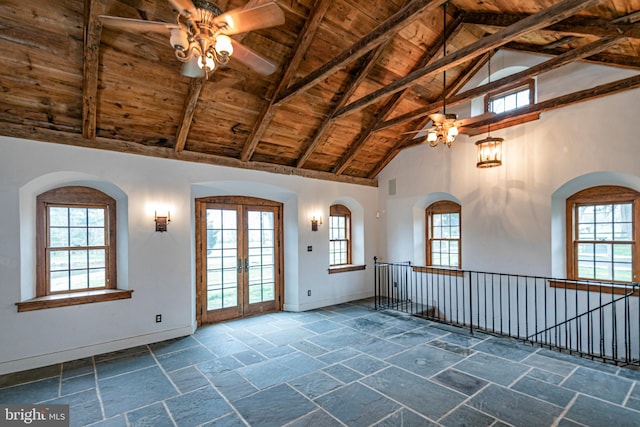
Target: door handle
{"type": "Point", "coordinates": [246, 265]}
{"type": "Point", "coordinates": [239, 265]}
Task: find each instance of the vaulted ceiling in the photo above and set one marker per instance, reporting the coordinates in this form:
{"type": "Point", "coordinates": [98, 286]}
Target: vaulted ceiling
{"type": "Point", "coordinates": [353, 76]}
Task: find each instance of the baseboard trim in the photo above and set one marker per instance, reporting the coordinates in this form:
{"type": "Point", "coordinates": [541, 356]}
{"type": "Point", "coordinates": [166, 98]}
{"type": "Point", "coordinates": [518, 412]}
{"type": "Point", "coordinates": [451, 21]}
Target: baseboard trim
{"type": "Point", "coordinates": [92, 350]}
{"type": "Point", "coordinates": [325, 302]}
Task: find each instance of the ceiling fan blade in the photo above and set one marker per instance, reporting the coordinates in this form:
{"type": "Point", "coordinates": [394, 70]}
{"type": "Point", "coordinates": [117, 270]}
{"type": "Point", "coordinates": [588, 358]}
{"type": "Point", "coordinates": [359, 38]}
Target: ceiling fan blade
{"type": "Point", "coordinates": [251, 59]}
{"type": "Point", "coordinates": [136, 24]}
{"type": "Point", "coordinates": [184, 7]}
{"type": "Point", "coordinates": [247, 19]}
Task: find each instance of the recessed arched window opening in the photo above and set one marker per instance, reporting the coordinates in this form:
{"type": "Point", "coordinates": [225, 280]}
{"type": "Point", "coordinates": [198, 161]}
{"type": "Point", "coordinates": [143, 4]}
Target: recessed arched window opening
{"type": "Point", "coordinates": [76, 241]}
{"type": "Point", "coordinates": [340, 249]}
{"type": "Point", "coordinates": [602, 234]}
{"type": "Point", "coordinates": [444, 236]}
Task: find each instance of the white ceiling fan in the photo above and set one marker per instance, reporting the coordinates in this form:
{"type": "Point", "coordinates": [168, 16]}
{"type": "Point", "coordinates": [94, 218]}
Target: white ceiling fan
{"type": "Point", "coordinates": [200, 36]}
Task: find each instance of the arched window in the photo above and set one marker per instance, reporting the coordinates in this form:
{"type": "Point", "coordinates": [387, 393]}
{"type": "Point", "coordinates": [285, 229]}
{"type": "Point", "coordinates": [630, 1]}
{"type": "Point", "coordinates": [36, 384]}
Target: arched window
{"type": "Point", "coordinates": [339, 235]}
{"type": "Point", "coordinates": [602, 234]}
{"type": "Point", "coordinates": [75, 249]}
{"type": "Point", "coordinates": [443, 234]}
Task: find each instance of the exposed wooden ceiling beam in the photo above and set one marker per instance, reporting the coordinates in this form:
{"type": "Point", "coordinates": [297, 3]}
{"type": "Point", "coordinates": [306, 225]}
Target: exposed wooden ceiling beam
{"type": "Point", "coordinates": [385, 31]}
{"type": "Point", "coordinates": [430, 55]}
{"type": "Point", "coordinates": [576, 26]}
{"type": "Point", "coordinates": [546, 17]}
{"type": "Point", "coordinates": [505, 82]}
{"type": "Point", "coordinates": [564, 40]}
{"type": "Point", "coordinates": [75, 139]}
{"type": "Point", "coordinates": [187, 115]}
{"type": "Point", "coordinates": [612, 59]}
{"type": "Point", "coordinates": [563, 101]}
{"type": "Point", "coordinates": [369, 61]}
{"type": "Point", "coordinates": [465, 76]}
{"type": "Point", "coordinates": [268, 111]}
{"type": "Point", "coordinates": [92, 34]}
{"type": "Point", "coordinates": [628, 19]}
{"type": "Point", "coordinates": [399, 146]}
{"type": "Point", "coordinates": [519, 116]}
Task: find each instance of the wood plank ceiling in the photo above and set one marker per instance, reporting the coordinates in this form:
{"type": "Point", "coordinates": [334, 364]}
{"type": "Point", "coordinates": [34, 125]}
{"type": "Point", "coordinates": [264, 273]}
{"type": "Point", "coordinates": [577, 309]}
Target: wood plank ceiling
{"type": "Point", "coordinates": [353, 76]}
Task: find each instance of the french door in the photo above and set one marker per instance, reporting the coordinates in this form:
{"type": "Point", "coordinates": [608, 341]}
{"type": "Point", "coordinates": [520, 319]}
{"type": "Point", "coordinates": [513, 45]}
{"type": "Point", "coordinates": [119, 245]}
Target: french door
{"type": "Point", "coordinates": [238, 257]}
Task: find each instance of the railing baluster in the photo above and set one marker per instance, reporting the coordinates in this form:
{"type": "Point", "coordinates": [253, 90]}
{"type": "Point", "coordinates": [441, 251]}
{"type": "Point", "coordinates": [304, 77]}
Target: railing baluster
{"type": "Point", "coordinates": [567, 320]}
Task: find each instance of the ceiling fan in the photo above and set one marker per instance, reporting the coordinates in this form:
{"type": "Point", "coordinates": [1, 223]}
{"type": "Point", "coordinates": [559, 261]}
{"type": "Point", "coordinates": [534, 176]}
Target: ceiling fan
{"type": "Point", "coordinates": [445, 127]}
{"type": "Point", "coordinates": [201, 35]}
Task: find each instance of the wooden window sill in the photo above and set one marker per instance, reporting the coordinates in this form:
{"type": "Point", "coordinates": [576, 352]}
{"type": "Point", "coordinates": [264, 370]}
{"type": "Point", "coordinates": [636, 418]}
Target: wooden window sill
{"type": "Point", "coordinates": [73, 298]}
{"type": "Point", "coordinates": [603, 288]}
{"type": "Point", "coordinates": [439, 270]}
{"type": "Point", "coordinates": [345, 268]}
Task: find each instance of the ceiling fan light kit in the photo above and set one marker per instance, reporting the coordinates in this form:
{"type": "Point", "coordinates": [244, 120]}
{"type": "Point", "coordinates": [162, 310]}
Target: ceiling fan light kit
{"type": "Point", "coordinates": [201, 35]}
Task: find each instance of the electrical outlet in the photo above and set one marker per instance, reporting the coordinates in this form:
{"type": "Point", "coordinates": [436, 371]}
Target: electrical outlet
{"type": "Point", "coordinates": [309, 293]}
{"type": "Point", "coordinates": [309, 248]}
{"type": "Point", "coordinates": [158, 318]}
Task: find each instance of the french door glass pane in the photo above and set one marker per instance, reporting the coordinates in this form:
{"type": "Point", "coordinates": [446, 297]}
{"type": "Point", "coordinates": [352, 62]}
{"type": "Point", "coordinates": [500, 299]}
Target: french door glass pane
{"type": "Point", "coordinates": [261, 278]}
{"type": "Point", "coordinates": [222, 258]}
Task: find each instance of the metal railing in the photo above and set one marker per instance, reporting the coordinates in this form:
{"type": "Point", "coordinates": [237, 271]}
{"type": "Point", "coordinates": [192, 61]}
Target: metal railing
{"type": "Point", "coordinates": [592, 319]}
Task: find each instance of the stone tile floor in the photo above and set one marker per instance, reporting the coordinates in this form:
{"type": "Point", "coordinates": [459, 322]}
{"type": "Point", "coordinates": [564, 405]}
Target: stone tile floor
{"type": "Point", "coordinates": [336, 366]}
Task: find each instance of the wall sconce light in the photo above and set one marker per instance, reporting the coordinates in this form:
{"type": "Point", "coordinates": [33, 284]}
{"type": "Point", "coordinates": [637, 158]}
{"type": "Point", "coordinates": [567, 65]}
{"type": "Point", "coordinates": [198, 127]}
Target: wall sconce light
{"type": "Point", "coordinates": [315, 222]}
{"type": "Point", "coordinates": [162, 221]}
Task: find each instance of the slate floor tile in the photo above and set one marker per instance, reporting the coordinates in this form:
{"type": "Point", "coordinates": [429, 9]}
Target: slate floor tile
{"type": "Point", "coordinates": [78, 367]}
{"type": "Point", "coordinates": [233, 386]}
{"type": "Point", "coordinates": [188, 379]}
{"type": "Point", "coordinates": [216, 366]}
{"type": "Point", "coordinates": [466, 416]}
{"type": "Point", "coordinates": [309, 348]}
{"type": "Point", "coordinates": [595, 412]}
{"type": "Point", "coordinates": [271, 372]}
{"type": "Point", "coordinates": [338, 355]}
{"type": "Point", "coordinates": [231, 420]}
{"type": "Point", "coordinates": [495, 369]}
{"type": "Point", "coordinates": [339, 338]}
{"type": "Point", "coordinates": [514, 407]}
{"type": "Point", "coordinates": [21, 377]}
{"type": "Point", "coordinates": [425, 360]}
{"type": "Point", "coordinates": [248, 357]}
{"type": "Point", "coordinates": [197, 407]}
{"type": "Point", "coordinates": [33, 392]}
{"type": "Point", "coordinates": [168, 346]}
{"type": "Point", "coordinates": [553, 394]}
{"type": "Point", "coordinates": [188, 356]}
{"type": "Point", "coordinates": [317, 418]}
{"type": "Point", "coordinates": [342, 373]}
{"type": "Point", "coordinates": [365, 364]}
{"type": "Point", "coordinates": [122, 365]}
{"type": "Point", "coordinates": [550, 364]}
{"type": "Point", "coordinates": [598, 384]}
{"type": "Point", "coordinates": [118, 421]}
{"type": "Point", "coordinates": [460, 340]}
{"type": "Point", "coordinates": [123, 393]}
{"type": "Point", "coordinates": [412, 338]}
{"type": "Point", "coordinates": [421, 395]}
{"type": "Point", "coordinates": [505, 348]}
{"type": "Point", "coordinates": [75, 384]}
{"type": "Point", "coordinates": [404, 418]}
{"type": "Point", "coordinates": [84, 407]}
{"type": "Point", "coordinates": [356, 405]}
{"type": "Point", "coordinates": [379, 348]}
{"type": "Point", "coordinates": [322, 326]}
{"type": "Point", "coordinates": [273, 407]}
{"type": "Point", "coordinates": [460, 381]}
{"type": "Point", "coordinates": [315, 384]}
{"type": "Point", "coordinates": [288, 336]}
{"type": "Point", "coordinates": [153, 415]}
{"type": "Point", "coordinates": [545, 376]}
{"type": "Point", "coordinates": [452, 348]}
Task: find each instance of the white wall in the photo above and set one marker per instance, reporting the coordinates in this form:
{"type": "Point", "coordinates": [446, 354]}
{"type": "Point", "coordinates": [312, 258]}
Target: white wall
{"type": "Point", "coordinates": [507, 211]}
{"type": "Point", "coordinates": [159, 267]}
